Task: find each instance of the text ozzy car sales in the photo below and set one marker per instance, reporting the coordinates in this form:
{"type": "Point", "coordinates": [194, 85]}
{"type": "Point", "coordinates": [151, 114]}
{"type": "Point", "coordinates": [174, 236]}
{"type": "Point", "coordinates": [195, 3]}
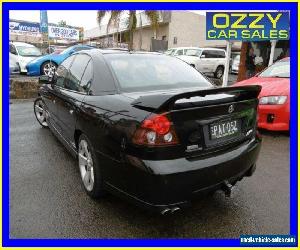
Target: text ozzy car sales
{"type": "Point", "coordinates": [250, 26]}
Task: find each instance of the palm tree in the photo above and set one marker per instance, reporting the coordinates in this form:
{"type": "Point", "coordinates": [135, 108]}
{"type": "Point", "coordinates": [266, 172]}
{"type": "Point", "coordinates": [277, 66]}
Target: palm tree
{"type": "Point", "coordinates": [152, 15]}
{"type": "Point", "coordinates": [115, 17]}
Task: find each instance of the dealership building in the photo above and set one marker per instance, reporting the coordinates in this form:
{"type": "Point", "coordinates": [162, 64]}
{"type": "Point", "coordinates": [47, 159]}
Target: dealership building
{"type": "Point", "coordinates": [176, 29]}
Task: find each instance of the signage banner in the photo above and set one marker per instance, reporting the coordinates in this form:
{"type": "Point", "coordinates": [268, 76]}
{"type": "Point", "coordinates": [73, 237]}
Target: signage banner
{"type": "Point", "coordinates": [63, 33]}
{"type": "Point", "coordinates": [15, 26]}
{"type": "Point", "coordinates": [247, 26]}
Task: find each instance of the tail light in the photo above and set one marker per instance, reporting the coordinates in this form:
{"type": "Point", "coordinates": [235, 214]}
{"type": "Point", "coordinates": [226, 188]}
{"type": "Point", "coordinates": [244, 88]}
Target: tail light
{"type": "Point", "coordinates": [156, 130]}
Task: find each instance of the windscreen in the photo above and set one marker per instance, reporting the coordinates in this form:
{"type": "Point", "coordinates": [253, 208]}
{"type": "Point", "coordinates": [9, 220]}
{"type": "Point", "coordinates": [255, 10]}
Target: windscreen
{"type": "Point", "coordinates": [28, 51]}
{"type": "Point", "coordinates": [170, 52]}
{"type": "Point", "coordinates": [278, 69]}
{"type": "Point", "coordinates": [140, 72]}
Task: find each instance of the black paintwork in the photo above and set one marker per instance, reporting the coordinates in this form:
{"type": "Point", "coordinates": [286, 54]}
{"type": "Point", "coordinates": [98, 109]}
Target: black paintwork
{"type": "Point", "coordinates": [156, 177]}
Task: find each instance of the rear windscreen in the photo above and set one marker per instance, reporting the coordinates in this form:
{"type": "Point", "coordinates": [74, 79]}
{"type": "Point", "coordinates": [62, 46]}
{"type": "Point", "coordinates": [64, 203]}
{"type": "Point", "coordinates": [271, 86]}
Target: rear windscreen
{"type": "Point", "coordinates": [141, 72]}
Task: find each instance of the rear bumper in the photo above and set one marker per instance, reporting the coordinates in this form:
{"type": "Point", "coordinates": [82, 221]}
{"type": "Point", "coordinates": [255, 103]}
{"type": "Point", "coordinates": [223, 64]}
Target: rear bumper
{"type": "Point", "coordinates": [175, 183]}
{"type": "Point", "coordinates": [274, 117]}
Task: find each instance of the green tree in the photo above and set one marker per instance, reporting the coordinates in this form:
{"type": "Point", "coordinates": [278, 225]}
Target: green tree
{"type": "Point", "coordinates": [62, 23]}
{"type": "Point", "coordinates": [153, 16]}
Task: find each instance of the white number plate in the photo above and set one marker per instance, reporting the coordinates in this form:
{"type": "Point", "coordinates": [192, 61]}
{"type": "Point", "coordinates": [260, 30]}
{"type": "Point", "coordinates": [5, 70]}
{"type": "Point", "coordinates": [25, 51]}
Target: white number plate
{"type": "Point", "coordinates": [224, 129]}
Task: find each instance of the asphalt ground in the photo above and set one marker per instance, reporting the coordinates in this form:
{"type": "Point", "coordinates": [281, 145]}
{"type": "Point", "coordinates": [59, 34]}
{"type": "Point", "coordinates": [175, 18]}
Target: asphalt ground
{"type": "Point", "coordinates": [47, 199]}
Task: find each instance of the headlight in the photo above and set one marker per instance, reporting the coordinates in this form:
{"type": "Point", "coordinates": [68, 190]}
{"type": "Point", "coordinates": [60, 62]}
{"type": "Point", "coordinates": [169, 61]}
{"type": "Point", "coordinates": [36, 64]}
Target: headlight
{"type": "Point", "coordinates": [272, 100]}
{"type": "Point", "coordinates": [23, 62]}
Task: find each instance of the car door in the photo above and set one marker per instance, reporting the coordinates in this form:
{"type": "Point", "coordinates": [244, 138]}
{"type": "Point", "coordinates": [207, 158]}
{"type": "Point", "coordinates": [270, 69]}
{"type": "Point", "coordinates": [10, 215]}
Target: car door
{"type": "Point", "coordinates": [206, 61]}
{"type": "Point", "coordinates": [70, 97]}
{"type": "Point", "coordinates": [50, 96]}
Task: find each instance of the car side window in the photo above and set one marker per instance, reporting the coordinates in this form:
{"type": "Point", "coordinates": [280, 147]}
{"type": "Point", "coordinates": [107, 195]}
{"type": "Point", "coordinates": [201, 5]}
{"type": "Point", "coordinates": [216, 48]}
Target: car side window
{"type": "Point", "coordinates": [76, 72]}
{"type": "Point", "coordinates": [217, 54]}
{"type": "Point", "coordinates": [12, 49]}
{"type": "Point", "coordinates": [221, 54]}
{"type": "Point", "coordinates": [62, 71]}
{"type": "Point", "coordinates": [208, 54]}
{"type": "Point", "coordinates": [87, 78]}
{"type": "Point", "coordinates": [179, 52]}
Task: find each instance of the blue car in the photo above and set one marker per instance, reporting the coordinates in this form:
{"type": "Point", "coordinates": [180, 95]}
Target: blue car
{"type": "Point", "coordinates": [46, 65]}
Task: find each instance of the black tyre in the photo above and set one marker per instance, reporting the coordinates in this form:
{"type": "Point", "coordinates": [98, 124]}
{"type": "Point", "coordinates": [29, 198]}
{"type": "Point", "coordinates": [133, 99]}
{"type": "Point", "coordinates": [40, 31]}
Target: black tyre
{"type": "Point", "coordinates": [90, 169]}
{"type": "Point", "coordinates": [40, 112]}
{"type": "Point", "coordinates": [219, 72]}
{"type": "Point", "coordinates": [48, 68]}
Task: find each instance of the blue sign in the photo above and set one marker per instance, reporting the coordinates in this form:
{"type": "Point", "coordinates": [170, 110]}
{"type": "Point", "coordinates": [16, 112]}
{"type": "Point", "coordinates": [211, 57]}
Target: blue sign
{"type": "Point", "coordinates": [247, 26]}
{"type": "Point", "coordinates": [16, 26]}
{"type": "Point", "coordinates": [44, 21]}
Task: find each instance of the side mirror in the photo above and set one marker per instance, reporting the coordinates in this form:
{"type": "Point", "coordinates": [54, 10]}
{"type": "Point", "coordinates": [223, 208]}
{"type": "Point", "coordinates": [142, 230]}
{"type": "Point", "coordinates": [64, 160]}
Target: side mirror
{"type": "Point", "coordinates": [44, 79]}
{"type": "Point", "coordinates": [202, 56]}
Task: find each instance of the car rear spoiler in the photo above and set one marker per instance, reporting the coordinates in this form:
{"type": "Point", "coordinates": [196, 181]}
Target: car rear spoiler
{"type": "Point", "coordinates": [164, 102]}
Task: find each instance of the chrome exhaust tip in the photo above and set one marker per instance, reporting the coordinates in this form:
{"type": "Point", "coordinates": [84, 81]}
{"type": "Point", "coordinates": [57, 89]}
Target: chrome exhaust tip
{"type": "Point", "coordinates": [165, 211]}
{"type": "Point", "coordinates": [175, 209]}
{"type": "Point", "coordinates": [227, 188]}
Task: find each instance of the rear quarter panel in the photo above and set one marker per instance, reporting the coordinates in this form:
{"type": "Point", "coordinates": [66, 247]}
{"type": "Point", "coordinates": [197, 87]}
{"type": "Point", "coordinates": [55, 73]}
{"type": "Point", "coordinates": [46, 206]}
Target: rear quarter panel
{"type": "Point", "coordinates": [108, 121]}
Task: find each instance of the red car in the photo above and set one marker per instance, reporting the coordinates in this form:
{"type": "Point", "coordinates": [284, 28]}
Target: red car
{"type": "Point", "coordinates": [274, 99]}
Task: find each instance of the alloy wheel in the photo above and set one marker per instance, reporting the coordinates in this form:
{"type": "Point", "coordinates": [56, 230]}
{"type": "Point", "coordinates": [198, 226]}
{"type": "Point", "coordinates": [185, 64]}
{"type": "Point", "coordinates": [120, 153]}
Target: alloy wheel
{"type": "Point", "coordinates": [49, 69]}
{"type": "Point", "coordinates": [40, 113]}
{"type": "Point", "coordinates": [86, 167]}
{"type": "Point", "coordinates": [219, 73]}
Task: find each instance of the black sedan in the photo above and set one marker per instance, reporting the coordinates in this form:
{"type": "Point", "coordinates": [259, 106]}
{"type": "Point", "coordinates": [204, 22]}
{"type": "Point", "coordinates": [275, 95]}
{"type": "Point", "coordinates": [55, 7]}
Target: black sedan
{"type": "Point", "coordinates": [149, 127]}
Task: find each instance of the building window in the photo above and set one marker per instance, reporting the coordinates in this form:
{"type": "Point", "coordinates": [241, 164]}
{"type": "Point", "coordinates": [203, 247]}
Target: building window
{"type": "Point", "coordinates": [164, 38]}
{"type": "Point", "coordinates": [175, 40]}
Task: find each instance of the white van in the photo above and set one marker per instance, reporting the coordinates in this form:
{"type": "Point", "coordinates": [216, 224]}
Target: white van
{"type": "Point", "coordinates": [23, 53]}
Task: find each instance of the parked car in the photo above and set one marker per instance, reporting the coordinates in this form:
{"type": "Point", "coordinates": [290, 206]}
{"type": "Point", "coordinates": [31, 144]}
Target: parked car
{"type": "Point", "coordinates": [274, 99]}
{"type": "Point", "coordinates": [23, 53]}
{"type": "Point", "coordinates": [180, 51]}
{"type": "Point", "coordinates": [191, 56]}
{"type": "Point", "coordinates": [14, 67]}
{"type": "Point", "coordinates": [149, 127]}
{"type": "Point", "coordinates": [235, 63]}
{"type": "Point", "coordinates": [206, 60]}
{"type": "Point", "coordinates": [46, 65]}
